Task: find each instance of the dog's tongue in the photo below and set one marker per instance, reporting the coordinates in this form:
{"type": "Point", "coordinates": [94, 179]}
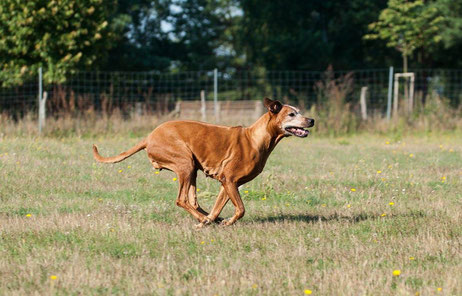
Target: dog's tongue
{"type": "Point", "coordinates": [298, 131]}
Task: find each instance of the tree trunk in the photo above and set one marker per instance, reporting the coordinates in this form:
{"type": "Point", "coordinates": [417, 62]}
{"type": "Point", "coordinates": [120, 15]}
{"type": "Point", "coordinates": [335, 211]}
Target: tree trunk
{"type": "Point", "coordinates": [404, 63]}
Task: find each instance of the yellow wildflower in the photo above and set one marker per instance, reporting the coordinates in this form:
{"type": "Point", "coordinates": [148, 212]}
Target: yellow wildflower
{"type": "Point", "coordinates": [28, 215]}
{"type": "Point", "coordinates": [411, 155]}
{"type": "Point", "coordinates": [53, 277]}
{"type": "Point", "coordinates": [348, 206]}
{"type": "Point", "coordinates": [384, 214]}
{"type": "Point", "coordinates": [411, 258]}
{"type": "Point", "coordinates": [174, 179]}
{"type": "Point", "coordinates": [246, 191]}
{"type": "Point", "coordinates": [308, 292]}
{"type": "Point", "coordinates": [387, 143]}
{"type": "Point", "coordinates": [391, 203]}
{"type": "Point", "coordinates": [353, 189]}
{"type": "Point", "coordinates": [198, 190]}
{"type": "Point", "coordinates": [397, 272]}
{"type": "Point", "coordinates": [440, 289]}
{"type": "Point", "coordinates": [129, 167]}
{"type": "Point", "coordinates": [263, 198]}
{"type": "Point", "coordinates": [202, 242]}
{"type": "Point", "coordinates": [379, 172]}
{"type": "Point", "coordinates": [120, 171]}
{"type": "Point", "coordinates": [157, 172]}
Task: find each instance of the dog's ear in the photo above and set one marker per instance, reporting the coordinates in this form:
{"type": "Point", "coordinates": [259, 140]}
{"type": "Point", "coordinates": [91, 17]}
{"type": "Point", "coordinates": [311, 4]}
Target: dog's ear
{"type": "Point", "coordinates": [272, 105]}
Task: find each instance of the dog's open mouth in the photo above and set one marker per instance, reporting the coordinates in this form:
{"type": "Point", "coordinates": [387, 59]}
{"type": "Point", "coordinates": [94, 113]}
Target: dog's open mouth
{"type": "Point", "coordinates": [297, 131]}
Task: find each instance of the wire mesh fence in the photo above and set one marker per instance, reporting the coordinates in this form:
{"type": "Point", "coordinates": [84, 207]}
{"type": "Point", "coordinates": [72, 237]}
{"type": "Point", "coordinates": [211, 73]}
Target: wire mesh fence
{"type": "Point", "coordinates": [101, 92]}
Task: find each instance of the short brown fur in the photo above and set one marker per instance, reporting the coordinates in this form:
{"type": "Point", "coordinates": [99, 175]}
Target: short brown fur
{"type": "Point", "coordinates": [231, 155]}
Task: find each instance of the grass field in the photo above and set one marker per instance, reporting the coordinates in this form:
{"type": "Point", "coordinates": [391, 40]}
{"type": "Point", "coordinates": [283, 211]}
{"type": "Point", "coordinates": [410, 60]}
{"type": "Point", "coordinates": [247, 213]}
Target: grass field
{"type": "Point", "coordinates": [327, 217]}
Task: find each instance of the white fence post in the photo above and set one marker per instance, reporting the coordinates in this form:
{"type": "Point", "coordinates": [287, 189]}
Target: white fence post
{"type": "Point", "coordinates": [362, 101]}
{"type": "Point", "coordinates": [396, 92]}
{"type": "Point", "coordinates": [395, 97]}
{"type": "Point", "coordinates": [390, 87]}
{"type": "Point", "coordinates": [203, 106]}
{"type": "Point", "coordinates": [42, 98]}
{"type": "Point", "coordinates": [411, 94]}
{"type": "Point", "coordinates": [215, 94]}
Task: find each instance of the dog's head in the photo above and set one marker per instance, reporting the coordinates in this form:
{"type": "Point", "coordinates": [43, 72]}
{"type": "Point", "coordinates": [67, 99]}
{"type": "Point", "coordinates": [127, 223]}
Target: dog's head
{"type": "Point", "coordinates": [287, 119]}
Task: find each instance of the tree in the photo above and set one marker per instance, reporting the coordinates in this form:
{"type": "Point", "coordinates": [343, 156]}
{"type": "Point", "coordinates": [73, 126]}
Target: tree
{"type": "Point", "coordinates": [175, 34]}
{"type": "Point", "coordinates": [407, 26]}
{"type": "Point", "coordinates": [308, 35]}
{"type": "Point", "coordinates": [60, 36]}
{"type": "Point", "coordinates": [199, 28]}
{"type": "Point", "coordinates": [142, 44]}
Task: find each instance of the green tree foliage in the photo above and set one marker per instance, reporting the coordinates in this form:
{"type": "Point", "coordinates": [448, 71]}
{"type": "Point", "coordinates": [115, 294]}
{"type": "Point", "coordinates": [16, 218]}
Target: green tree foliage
{"type": "Point", "coordinates": [407, 26]}
{"type": "Point", "coordinates": [308, 34]}
{"type": "Point", "coordinates": [142, 44]}
{"type": "Point", "coordinates": [451, 32]}
{"type": "Point", "coordinates": [203, 29]}
{"type": "Point", "coordinates": [449, 49]}
{"type": "Point", "coordinates": [142, 35]}
{"type": "Point", "coordinates": [179, 34]}
{"type": "Point", "coordinates": [58, 35]}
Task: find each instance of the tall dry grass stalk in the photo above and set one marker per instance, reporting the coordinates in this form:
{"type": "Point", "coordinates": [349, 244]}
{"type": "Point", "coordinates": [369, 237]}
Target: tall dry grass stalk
{"type": "Point", "coordinates": [332, 109]}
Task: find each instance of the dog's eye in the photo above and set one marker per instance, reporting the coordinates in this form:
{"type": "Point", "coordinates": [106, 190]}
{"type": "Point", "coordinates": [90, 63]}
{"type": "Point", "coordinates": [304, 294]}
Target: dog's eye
{"type": "Point", "coordinates": [292, 114]}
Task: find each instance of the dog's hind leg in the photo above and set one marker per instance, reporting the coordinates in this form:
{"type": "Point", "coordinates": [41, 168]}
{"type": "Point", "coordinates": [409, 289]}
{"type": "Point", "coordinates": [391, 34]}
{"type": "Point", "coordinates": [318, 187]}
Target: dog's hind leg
{"type": "Point", "coordinates": [184, 180]}
{"type": "Point", "coordinates": [192, 195]}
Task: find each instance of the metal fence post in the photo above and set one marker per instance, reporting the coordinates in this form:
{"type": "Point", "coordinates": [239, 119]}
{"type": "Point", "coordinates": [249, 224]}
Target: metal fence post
{"type": "Point", "coordinates": [390, 87]}
{"type": "Point", "coordinates": [215, 93]}
{"type": "Point", "coordinates": [41, 103]}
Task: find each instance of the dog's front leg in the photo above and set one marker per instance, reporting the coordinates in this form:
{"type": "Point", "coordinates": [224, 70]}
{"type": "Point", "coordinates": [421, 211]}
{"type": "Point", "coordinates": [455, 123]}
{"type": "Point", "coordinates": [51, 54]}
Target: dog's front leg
{"type": "Point", "coordinates": [220, 203]}
{"type": "Point", "coordinates": [233, 194]}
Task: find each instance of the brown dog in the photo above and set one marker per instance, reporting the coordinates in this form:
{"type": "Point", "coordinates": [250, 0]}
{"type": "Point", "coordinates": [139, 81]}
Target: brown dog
{"type": "Point", "coordinates": [231, 155]}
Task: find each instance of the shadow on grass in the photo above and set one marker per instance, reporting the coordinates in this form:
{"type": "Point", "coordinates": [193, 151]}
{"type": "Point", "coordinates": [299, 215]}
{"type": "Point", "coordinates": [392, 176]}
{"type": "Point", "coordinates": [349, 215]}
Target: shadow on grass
{"type": "Point", "coordinates": [318, 218]}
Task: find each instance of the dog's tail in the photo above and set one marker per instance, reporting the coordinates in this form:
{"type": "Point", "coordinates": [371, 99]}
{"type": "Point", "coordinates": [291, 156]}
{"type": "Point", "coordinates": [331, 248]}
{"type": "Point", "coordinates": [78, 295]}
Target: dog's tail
{"type": "Point", "coordinates": [140, 146]}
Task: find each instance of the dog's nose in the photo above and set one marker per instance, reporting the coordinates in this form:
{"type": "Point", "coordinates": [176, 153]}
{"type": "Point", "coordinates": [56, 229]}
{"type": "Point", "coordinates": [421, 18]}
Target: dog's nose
{"type": "Point", "coordinates": [311, 121]}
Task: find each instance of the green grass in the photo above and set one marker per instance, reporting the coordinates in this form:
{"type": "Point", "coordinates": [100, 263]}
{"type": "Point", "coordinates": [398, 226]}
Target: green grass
{"type": "Point", "coordinates": [115, 229]}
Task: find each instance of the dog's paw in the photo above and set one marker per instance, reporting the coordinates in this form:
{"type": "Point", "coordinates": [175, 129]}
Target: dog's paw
{"type": "Point", "coordinates": [226, 222]}
{"type": "Point", "coordinates": [199, 226]}
{"type": "Point", "coordinates": [204, 223]}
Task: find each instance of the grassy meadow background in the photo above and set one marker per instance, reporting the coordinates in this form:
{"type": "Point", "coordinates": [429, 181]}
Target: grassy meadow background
{"type": "Point", "coordinates": [328, 216]}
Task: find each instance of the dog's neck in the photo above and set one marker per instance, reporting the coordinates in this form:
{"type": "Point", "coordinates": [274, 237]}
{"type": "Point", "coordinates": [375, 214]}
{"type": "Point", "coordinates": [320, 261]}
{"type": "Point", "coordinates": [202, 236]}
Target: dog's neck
{"type": "Point", "coordinates": [264, 134]}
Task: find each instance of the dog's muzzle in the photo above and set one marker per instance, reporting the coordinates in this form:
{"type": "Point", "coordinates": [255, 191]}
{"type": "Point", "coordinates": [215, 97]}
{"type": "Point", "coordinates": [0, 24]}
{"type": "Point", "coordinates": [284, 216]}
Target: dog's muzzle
{"type": "Point", "coordinates": [301, 132]}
